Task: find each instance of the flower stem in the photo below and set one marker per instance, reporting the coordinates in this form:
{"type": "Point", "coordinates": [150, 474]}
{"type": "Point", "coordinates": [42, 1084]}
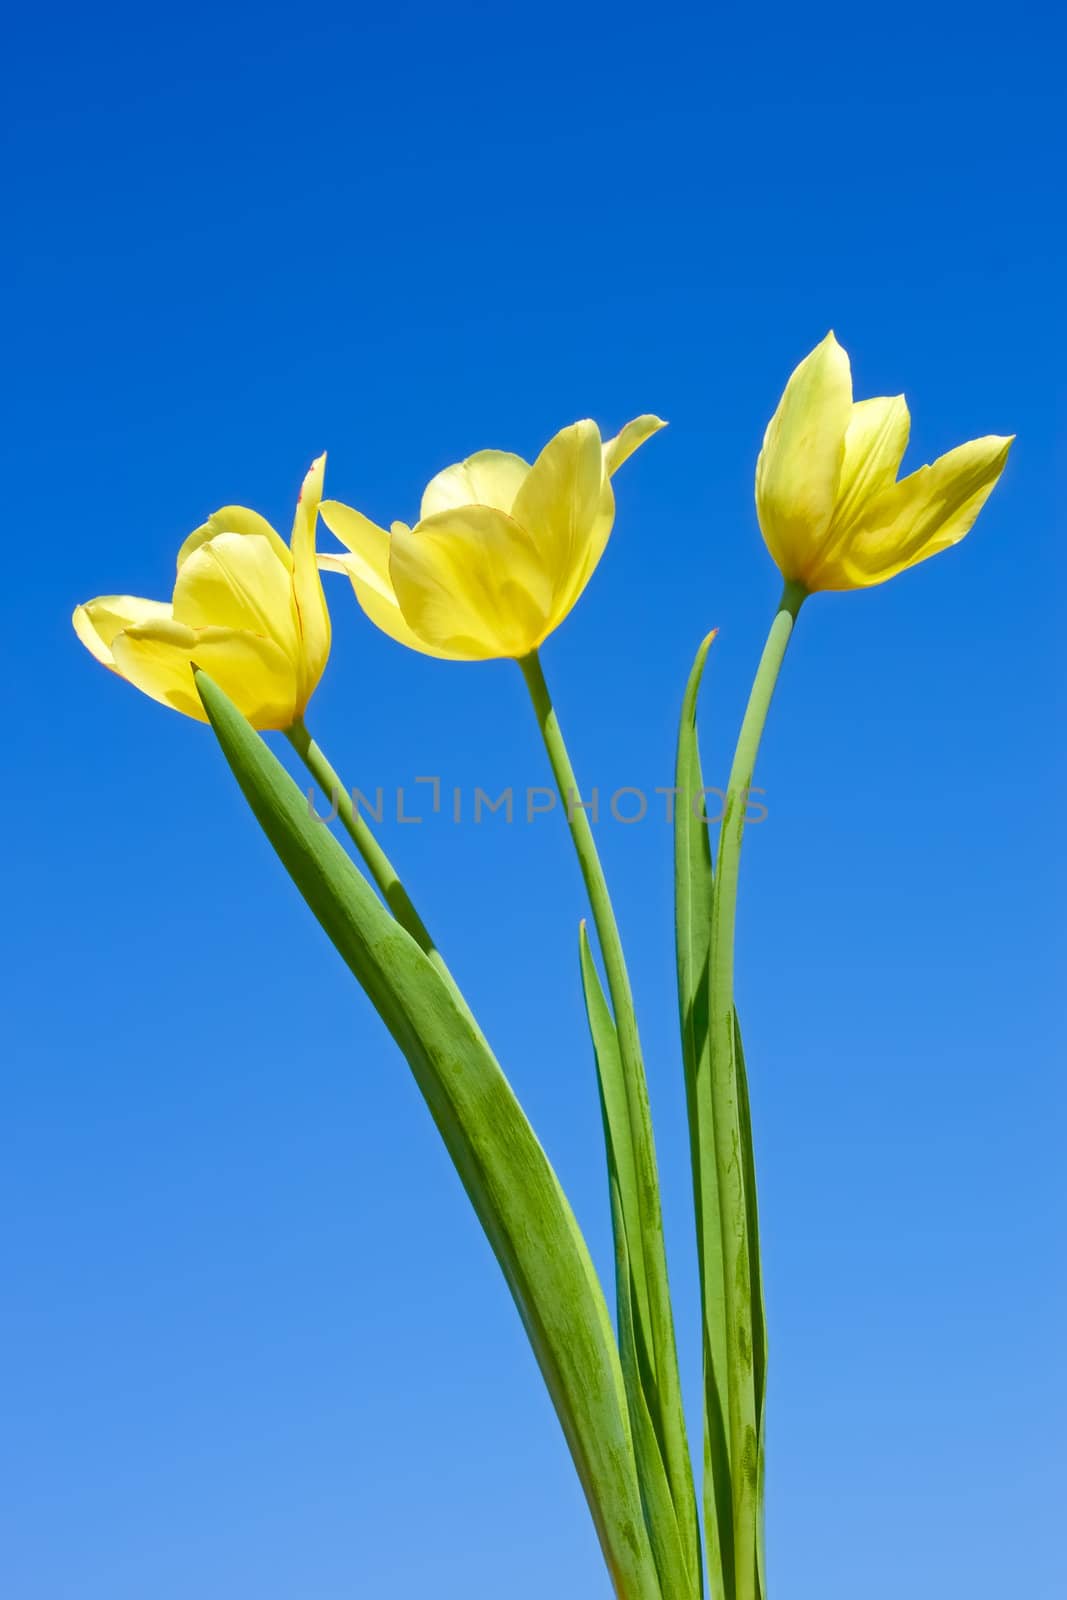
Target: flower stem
{"type": "Point", "coordinates": [588, 860]}
{"type": "Point", "coordinates": [737, 1209]}
{"type": "Point", "coordinates": [647, 1246]}
{"type": "Point", "coordinates": [378, 864]}
{"type": "Point", "coordinates": [732, 827]}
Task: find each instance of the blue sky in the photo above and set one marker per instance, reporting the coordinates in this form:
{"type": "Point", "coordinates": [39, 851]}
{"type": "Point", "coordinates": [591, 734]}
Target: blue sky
{"type": "Point", "coordinates": [254, 1343]}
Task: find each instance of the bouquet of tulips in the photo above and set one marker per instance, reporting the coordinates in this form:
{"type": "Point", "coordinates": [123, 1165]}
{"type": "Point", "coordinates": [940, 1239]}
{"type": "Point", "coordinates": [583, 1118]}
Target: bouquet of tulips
{"type": "Point", "coordinates": [499, 556]}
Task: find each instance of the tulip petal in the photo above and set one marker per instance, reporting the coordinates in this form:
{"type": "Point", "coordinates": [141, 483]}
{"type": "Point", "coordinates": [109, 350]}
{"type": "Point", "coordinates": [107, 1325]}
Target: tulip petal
{"type": "Point", "coordinates": [921, 515]}
{"type": "Point", "coordinates": [596, 543]}
{"type": "Point", "coordinates": [234, 519]}
{"type": "Point", "coordinates": [614, 453]}
{"type": "Point", "coordinates": [385, 614]}
{"type": "Point", "coordinates": [313, 617]}
{"type": "Point", "coordinates": [561, 506]}
{"type": "Point", "coordinates": [470, 581]}
{"type": "Point", "coordinates": [875, 441]}
{"type": "Point", "coordinates": [367, 544]}
{"type": "Point", "coordinates": [629, 439]}
{"type": "Point", "coordinates": [98, 621]}
{"type": "Point", "coordinates": [800, 462]}
{"type": "Point", "coordinates": [157, 658]}
{"type": "Point", "coordinates": [236, 581]}
{"type": "Point", "coordinates": [367, 566]}
{"type": "Point", "coordinates": [489, 478]}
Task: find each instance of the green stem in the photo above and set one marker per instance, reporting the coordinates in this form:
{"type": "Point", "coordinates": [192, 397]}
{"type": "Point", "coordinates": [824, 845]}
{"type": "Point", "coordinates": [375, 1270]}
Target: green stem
{"type": "Point", "coordinates": [729, 1117]}
{"type": "Point", "coordinates": [378, 864]}
{"type": "Point", "coordinates": [589, 862]}
{"type": "Point", "coordinates": [648, 1249]}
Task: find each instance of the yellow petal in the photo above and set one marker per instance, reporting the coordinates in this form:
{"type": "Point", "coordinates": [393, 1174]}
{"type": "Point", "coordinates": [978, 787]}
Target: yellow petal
{"type": "Point", "coordinates": [627, 440]}
{"type": "Point", "coordinates": [615, 452]}
{"type": "Point", "coordinates": [875, 441]}
{"type": "Point", "coordinates": [155, 658]}
{"type": "Point", "coordinates": [367, 544]}
{"type": "Point", "coordinates": [560, 504]}
{"type": "Point", "coordinates": [800, 463]}
{"type": "Point", "coordinates": [470, 582]}
{"type": "Point", "coordinates": [923, 514]}
{"type": "Point", "coordinates": [567, 597]}
{"type": "Point", "coordinates": [98, 621]}
{"type": "Point", "coordinates": [236, 581]}
{"type": "Point", "coordinates": [385, 614]}
{"type": "Point", "coordinates": [254, 673]}
{"type": "Point", "coordinates": [490, 478]}
{"type": "Point", "coordinates": [258, 677]}
{"type": "Point", "coordinates": [313, 617]}
{"type": "Point", "coordinates": [234, 519]}
{"type": "Point", "coordinates": [367, 565]}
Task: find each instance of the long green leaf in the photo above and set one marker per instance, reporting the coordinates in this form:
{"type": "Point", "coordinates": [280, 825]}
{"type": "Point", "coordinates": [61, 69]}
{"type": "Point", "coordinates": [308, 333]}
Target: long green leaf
{"type": "Point", "coordinates": [693, 903]}
{"type": "Point", "coordinates": [638, 1371]}
{"type": "Point", "coordinates": [505, 1172]}
{"type": "Point", "coordinates": [727, 1491]}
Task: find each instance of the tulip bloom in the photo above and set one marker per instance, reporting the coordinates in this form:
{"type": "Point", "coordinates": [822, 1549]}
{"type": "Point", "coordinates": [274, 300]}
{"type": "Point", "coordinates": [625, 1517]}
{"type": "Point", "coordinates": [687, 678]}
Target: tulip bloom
{"type": "Point", "coordinates": [501, 552]}
{"type": "Point", "coordinates": [247, 608]}
{"type": "Point", "coordinates": [831, 510]}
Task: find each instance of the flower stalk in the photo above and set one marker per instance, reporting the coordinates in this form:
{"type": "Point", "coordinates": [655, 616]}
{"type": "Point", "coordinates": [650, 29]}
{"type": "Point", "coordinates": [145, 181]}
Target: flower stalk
{"type": "Point", "coordinates": [742, 1309]}
{"type": "Point", "coordinates": [658, 1386]}
{"type": "Point", "coordinates": [378, 864]}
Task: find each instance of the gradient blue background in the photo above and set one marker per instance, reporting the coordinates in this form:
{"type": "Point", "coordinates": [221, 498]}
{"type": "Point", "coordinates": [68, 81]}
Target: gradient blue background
{"type": "Point", "coordinates": [253, 1342]}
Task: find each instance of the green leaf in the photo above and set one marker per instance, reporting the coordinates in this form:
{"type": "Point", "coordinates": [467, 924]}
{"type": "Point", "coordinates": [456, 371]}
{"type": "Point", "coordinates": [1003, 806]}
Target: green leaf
{"type": "Point", "coordinates": [693, 884]}
{"type": "Point", "coordinates": [723, 1366]}
{"type": "Point", "coordinates": [631, 1295]}
{"type": "Point", "coordinates": [506, 1174]}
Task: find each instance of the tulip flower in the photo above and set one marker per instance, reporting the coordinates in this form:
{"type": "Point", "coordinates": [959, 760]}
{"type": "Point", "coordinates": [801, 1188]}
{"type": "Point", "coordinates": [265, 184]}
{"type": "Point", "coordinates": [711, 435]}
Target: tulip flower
{"type": "Point", "coordinates": [833, 516]}
{"type": "Point", "coordinates": [831, 509]}
{"type": "Point", "coordinates": [247, 608]}
{"type": "Point", "coordinates": [501, 551]}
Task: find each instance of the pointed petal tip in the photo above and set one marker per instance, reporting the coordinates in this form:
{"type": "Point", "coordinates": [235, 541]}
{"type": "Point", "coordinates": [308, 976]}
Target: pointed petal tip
{"type": "Point", "coordinates": [313, 477]}
{"type": "Point", "coordinates": [999, 443]}
{"type": "Point", "coordinates": [89, 634]}
{"type": "Point", "coordinates": [1004, 443]}
{"type": "Point", "coordinates": [831, 345]}
{"type": "Point", "coordinates": [829, 355]}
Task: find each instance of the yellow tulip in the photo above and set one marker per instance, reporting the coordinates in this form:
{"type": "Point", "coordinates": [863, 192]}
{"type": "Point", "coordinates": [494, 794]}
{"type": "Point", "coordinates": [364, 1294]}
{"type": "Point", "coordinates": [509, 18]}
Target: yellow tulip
{"type": "Point", "coordinates": [247, 608]}
{"type": "Point", "coordinates": [501, 551]}
{"type": "Point", "coordinates": [831, 509]}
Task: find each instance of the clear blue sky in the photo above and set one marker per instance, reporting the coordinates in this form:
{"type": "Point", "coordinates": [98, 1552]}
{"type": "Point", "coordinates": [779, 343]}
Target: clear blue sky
{"type": "Point", "coordinates": [254, 1344]}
